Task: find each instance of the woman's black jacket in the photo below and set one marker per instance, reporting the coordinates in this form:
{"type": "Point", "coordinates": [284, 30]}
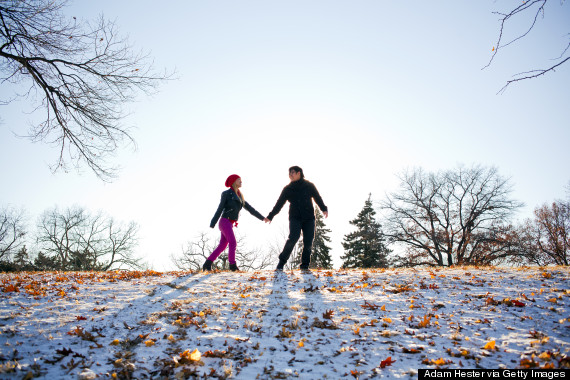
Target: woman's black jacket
{"type": "Point", "coordinates": [230, 206]}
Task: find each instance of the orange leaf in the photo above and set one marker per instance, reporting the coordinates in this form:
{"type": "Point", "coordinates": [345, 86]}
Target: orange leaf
{"type": "Point", "coordinates": [10, 288]}
{"type": "Point", "coordinates": [544, 356]}
{"type": "Point", "coordinates": [355, 373]}
{"type": "Point", "coordinates": [439, 361]}
{"type": "Point", "coordinates": [195, 355]}
{"type": "Point", "coordinates": [425, 322]}
{"type": "Point", "coordinates": [387, 362]}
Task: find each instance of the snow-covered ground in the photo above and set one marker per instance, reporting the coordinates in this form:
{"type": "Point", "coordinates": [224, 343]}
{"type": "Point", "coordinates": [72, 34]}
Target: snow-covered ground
{"type": "Point", "coordinates": [272, 325]}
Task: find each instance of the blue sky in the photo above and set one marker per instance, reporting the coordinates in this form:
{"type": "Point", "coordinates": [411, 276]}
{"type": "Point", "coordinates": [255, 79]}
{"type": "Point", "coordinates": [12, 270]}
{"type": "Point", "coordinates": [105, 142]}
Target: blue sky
{"type": "Point", "coordinates": [353, 92]}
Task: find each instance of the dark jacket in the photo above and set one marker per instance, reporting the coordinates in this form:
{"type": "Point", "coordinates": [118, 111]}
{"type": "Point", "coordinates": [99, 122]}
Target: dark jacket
{"type": "Point", "coordinates": [300, 195]}
{"type": "Point", "coordinates": [230, 206]}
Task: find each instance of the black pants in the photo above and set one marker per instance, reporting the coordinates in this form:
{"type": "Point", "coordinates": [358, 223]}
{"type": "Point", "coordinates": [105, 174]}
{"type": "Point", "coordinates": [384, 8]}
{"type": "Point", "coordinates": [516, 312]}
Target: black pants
{"type": "Point", "coordinates": [295, 228]}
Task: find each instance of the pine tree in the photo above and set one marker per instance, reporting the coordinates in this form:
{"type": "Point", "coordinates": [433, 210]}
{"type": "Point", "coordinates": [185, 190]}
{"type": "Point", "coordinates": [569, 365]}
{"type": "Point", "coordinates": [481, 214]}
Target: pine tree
{"type": "Point", "coordinates": [320, 255]}
{"type": "Point", "coordinates": [21, 258]}
{"type": "Point", "coordinates": [364, 248]}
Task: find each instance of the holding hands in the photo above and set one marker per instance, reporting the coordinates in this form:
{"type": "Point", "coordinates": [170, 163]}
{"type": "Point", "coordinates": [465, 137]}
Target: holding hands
{"type": "Point", "coordinates": [325, 213]}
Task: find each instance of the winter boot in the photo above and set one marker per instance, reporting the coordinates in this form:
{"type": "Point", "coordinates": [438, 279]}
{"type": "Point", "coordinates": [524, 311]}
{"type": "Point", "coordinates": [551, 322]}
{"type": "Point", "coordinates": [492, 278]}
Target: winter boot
{"type": "Point", "coordinates": [234, 267]}
{"type": "Point", "coordinates": [207, 265]}
{"type": "Point", "coordinates": [281, 265]}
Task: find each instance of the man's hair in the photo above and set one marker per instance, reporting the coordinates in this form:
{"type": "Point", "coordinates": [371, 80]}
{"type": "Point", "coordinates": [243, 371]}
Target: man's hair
{"type": "Point", "coordinates": [297, 169]}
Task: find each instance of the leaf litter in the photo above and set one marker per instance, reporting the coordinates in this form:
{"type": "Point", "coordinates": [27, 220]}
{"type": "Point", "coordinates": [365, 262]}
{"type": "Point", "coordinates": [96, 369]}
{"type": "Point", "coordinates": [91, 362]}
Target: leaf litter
{"type": "Point", "coordinates": [274, 325]}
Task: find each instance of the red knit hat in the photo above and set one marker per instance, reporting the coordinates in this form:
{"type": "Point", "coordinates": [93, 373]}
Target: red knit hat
{"type": "Point", "coordinates": [231, 179]}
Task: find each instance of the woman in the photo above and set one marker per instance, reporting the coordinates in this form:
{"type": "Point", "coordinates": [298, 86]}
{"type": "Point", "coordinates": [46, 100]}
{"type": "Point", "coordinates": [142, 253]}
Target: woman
{"type": "Point", "coordinates": [230, 205]}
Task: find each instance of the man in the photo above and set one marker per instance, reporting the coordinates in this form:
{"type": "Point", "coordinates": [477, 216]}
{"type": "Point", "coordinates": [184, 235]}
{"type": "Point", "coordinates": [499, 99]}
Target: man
{"type": "Point", "coordinates": [300, 194]}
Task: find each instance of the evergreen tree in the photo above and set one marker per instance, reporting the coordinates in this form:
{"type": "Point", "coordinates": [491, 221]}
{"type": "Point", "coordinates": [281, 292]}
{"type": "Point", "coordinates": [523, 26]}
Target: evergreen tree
{"type": "Point", "coordinates": [21, 258]}
{"type": "Point", "coordinates": [43, 262]}
{"type": "Point", "coordinates": [320, 253]}
{"type": "Point", "coordinates": [364, 248]}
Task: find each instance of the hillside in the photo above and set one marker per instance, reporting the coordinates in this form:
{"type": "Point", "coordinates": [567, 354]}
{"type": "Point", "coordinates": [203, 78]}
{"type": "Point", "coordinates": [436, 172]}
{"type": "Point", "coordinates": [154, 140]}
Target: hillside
{"type": "Point", "coordinates": [268, 325]}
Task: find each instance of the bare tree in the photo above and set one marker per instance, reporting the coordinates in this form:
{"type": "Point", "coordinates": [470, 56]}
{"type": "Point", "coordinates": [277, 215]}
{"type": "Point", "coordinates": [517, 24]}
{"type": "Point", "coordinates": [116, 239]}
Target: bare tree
{"type": "Point", "coordinates": [58, 234]}
{"type": "Point", "coordinates": [547, 237]}
{"type": "Point", "coordinates": [535, 9]}
{"type": "Point", "coordinates": [79, 73]}
{"type": "Point", "coordinates": [76, 240]}
{"type": "Point", "coordinates": [197, 251]}
{"type": "Point", "coordinates": [12, 232]}
{"type": "Point", "coordinates": [453, 217]}
{"type": "Point", "coordinates": [110, 244]}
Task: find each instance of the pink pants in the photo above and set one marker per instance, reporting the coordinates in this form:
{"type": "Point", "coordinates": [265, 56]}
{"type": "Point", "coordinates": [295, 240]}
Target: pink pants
{"type": "Point", "coordinates": [228, 237]}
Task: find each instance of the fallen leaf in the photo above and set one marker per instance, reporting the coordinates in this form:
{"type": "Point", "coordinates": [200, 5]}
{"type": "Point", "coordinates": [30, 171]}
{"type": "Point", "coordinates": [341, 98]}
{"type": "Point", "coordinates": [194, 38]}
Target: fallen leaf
{"type": "Point", "coordinates": [544, 356]}
{"type": "Point", "coordinates": [195, 355]}
{"type": "Point", "coordinates": [387, 362]}
{"type": "Point", "coordinates": [328, 314]}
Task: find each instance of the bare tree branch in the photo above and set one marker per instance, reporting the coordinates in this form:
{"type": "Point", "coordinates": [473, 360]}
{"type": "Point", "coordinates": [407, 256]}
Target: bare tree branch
{"type": "Point", "coordinates": [532, 74]}
{"type": "Point", "coordinates": [79, 73]}
{"type": "Point", "coordinates": [505, 17]}
{"type": "Point", "coordinates": [536, 8]}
